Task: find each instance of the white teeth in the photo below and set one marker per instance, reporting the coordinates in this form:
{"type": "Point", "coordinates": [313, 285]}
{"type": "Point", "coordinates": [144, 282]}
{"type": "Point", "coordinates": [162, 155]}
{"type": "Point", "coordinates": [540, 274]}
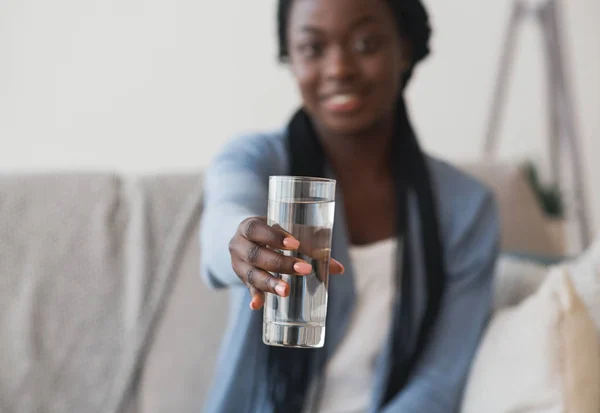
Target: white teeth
{"type": "Point", "coordinates": [342, 99]}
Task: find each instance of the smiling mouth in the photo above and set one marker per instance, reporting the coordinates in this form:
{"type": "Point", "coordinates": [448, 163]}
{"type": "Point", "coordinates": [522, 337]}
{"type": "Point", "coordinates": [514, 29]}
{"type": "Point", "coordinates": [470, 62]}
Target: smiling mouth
{"type": "Point", "coordinates": [343, 102]}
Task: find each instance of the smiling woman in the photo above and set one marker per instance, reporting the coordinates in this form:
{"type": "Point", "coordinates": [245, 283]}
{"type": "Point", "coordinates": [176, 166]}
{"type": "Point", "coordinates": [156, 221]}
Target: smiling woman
{"type": "Point", "coordinates": [417, 237]}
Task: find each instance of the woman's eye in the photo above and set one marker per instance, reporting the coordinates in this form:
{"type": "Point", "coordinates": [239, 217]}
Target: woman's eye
{"type": "Point", "coordinates": [367, 45]}
{"type": "Point", "coordinates": [311, 50]}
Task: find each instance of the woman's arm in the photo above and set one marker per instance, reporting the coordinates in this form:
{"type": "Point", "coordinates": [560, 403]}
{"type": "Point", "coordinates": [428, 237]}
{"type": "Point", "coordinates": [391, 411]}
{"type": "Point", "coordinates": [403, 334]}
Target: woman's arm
{"type": "Point", "coordinates": [438, 382]}
{"type": "Point", "coordinates": [236, 188]}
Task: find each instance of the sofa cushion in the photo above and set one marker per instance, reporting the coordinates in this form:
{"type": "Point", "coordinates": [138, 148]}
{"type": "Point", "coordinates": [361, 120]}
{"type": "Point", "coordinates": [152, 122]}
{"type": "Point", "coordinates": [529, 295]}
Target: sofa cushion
{"type": "Point", "coordinates": [181, 361]}
{"type": "Point", "coordinates": [517, 277]}
{"type": "Point", "coordinates": [62, 330]}
{"type": "Point", "coordinates": [86, 261]}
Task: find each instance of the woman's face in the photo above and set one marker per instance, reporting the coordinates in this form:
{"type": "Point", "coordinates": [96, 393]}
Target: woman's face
{"type": "Point", "coordinates": [348, 59]}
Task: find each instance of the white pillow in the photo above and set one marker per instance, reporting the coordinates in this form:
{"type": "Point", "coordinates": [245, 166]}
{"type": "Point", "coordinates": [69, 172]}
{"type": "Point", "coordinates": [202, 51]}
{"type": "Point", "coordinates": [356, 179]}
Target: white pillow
{"type": "Point", "coordinates": [538, 357]}
{"type": "Point", "coordinates": [585, 274]}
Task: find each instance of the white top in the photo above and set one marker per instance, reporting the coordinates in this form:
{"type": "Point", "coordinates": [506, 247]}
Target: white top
{"type": "Point", "coordinates": [350, 373]}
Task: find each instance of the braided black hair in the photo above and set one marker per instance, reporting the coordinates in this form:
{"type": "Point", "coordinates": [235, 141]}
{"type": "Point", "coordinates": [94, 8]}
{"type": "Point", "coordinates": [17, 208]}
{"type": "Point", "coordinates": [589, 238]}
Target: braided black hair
{"type": "Point", "coordinates": [288, 370]}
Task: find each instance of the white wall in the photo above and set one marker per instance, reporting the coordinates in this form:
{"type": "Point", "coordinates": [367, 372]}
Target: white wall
{"type": "Point", "coordinates": [451, 97]}
{"type": "Point", "coordinates": [153, 85]}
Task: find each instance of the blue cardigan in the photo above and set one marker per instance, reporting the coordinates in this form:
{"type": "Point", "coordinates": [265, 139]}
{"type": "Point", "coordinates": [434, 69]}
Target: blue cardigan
{"type": "Point", "coordinates": [236, 185]}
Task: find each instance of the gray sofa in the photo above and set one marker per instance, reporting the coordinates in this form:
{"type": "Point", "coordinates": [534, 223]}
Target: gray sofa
{"type": "Point", "coordinates": [101, 306]}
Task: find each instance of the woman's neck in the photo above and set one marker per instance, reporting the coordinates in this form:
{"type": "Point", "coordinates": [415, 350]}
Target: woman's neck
{"type": "Point", "coordinates": [363, 169]}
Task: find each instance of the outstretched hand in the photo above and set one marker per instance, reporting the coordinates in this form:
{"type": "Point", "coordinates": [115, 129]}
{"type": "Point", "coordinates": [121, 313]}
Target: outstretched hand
{"type": "Point", "coordinates": [253, 256]}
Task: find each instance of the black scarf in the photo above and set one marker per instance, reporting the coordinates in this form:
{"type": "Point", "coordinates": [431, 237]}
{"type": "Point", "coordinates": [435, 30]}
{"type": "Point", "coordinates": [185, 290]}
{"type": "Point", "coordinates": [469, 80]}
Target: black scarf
{"type": "Point", "coordinates": [289, 370]}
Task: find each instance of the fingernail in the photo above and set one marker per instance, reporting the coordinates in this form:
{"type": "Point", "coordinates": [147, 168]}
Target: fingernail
{"type": "Point", "coordinates": [280, 288]}
{"type": "Point", "coordinates": [291, 243]}
{"type": "Point", "coordinates": [336, 262]}
{"type": "Point", "coordinates": [252, 305]}
{"type": "Point", "coordinates": [302, 268]}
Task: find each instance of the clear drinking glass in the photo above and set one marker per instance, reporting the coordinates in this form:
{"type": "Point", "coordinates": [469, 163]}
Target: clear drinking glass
{"type": "Point", "coordinates": [304, 207]}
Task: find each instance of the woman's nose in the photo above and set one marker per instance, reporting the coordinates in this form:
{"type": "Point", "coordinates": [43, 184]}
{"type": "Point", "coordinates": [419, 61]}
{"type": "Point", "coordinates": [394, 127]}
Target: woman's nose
{"type": "Point", "coordinates": [339, 64]}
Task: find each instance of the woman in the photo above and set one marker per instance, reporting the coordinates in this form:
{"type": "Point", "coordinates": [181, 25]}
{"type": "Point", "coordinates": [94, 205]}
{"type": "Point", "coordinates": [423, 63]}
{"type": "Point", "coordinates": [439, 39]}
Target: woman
{"type": "Point", "coordinates": [418, 238]}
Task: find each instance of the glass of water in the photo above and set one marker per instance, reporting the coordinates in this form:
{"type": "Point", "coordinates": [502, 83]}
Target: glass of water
{"type": "Point", "coordinates": [304, 207]}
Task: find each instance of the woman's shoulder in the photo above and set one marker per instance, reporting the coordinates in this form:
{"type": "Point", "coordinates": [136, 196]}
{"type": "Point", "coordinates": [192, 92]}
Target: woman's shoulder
{"type": "Point", "coordinates": [254, 150]}
{"type": "Point", "coordinates": [463, 201]}
{"type": "Point", "coordinates": [256, 143]}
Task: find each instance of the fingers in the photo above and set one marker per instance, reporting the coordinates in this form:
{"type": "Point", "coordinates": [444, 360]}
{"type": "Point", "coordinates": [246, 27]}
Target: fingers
{"type": "Point", "coordinates": [256, 230]}
{"type": "Point", "coordinates": [336, 267]}
{"type": "Point", "coordinates": [258, 299]}
{"type": "Point", "coordinates": [253, 256]}
{"type": "Point", "coordinates": [269, 260]}
{"type": "Point", "coordinates": [260, 279]}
